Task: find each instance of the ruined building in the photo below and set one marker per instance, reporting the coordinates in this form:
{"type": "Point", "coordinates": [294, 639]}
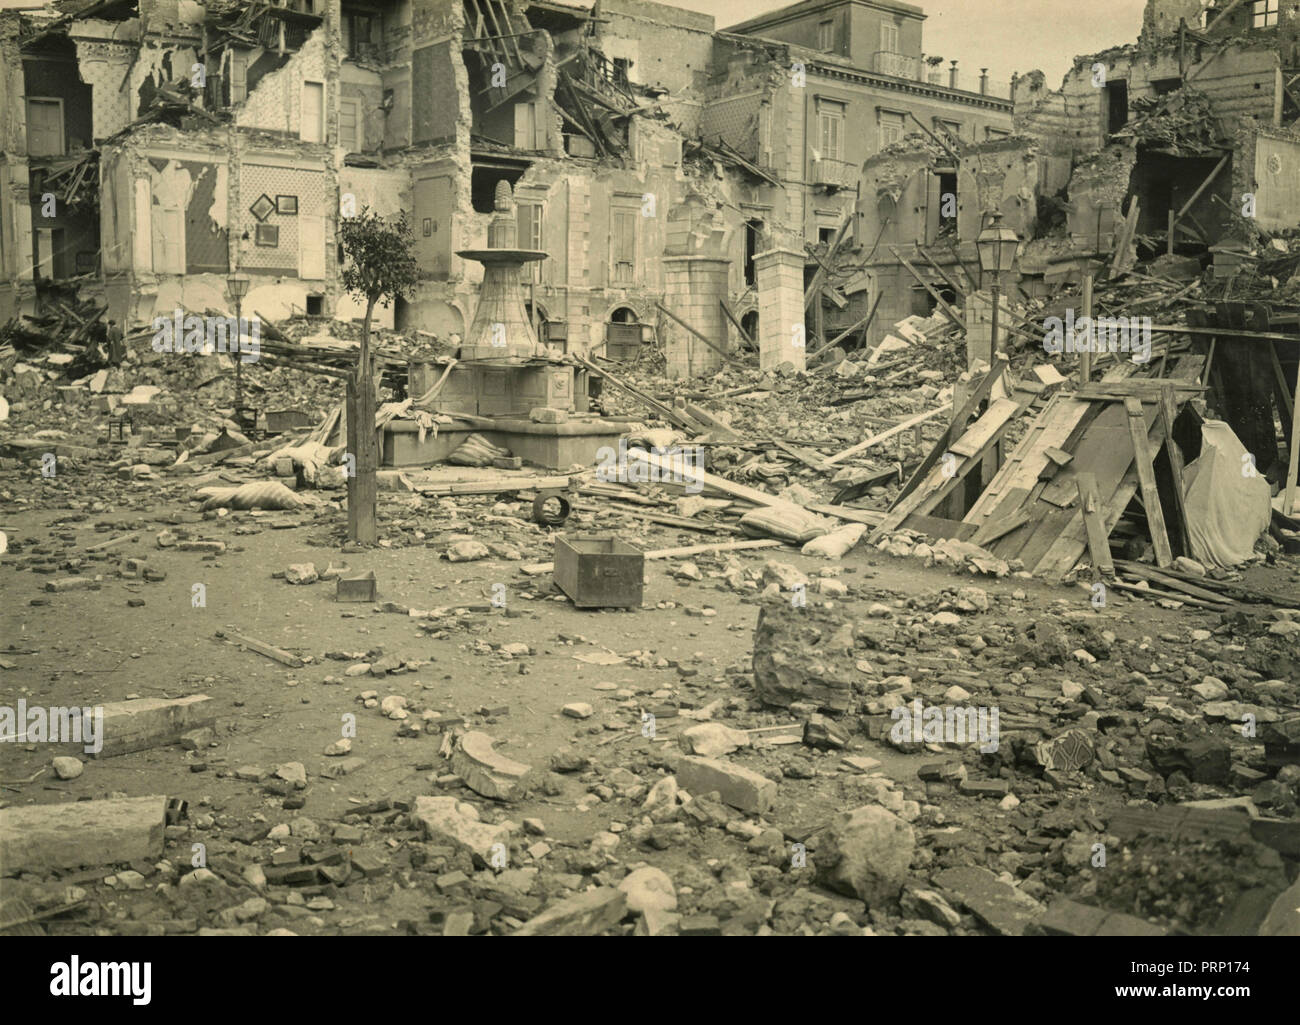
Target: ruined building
{"type": "Point", "coordinates": [150, 148]}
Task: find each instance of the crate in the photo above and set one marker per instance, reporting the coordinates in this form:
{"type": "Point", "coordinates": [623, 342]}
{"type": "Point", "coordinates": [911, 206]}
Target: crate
{"type": "Point", "coordinates": [599, 572]}
{"type": "Point", "coordinates": [356, 588]}
{"type": "Point", "coordinates": [280, 420]}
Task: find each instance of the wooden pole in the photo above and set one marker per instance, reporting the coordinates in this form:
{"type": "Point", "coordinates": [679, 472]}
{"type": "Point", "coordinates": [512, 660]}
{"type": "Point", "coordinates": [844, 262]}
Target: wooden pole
{"type": "Point", "coordinates": [1288, 503]}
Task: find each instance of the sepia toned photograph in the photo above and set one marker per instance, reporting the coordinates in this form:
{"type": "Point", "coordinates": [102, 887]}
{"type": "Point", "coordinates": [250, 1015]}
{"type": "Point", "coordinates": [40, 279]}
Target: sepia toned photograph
{"type": "Point", "coordinates": [611, 468]}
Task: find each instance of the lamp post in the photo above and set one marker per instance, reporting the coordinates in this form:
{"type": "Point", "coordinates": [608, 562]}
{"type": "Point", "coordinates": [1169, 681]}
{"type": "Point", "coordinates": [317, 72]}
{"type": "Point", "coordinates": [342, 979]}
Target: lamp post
{"type": "Point", "coordinates": [997, 245]}
{"type": "Point", "coordinates": [237, 286]}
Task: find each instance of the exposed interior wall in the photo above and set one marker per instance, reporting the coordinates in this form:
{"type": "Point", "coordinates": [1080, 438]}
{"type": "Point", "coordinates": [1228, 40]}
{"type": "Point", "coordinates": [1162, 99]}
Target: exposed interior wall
{"type": "Point", "coordinates": [1277, 189]}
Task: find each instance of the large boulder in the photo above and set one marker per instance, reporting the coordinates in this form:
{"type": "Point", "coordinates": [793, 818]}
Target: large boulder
{"type": "Point", "coordinates": [865, 853]}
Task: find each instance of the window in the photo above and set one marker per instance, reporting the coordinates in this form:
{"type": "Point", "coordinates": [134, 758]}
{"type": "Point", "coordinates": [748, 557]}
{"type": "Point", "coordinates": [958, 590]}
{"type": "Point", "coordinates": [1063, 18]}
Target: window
{"type": "Point", "coordinates": [287, 205]}
{"type": "Point", "coordinates": [348, 135]}
{"type": "Point", "coordinates": [1265, 13]}
{"type": "Point", "coordinates": [238, 77]}
{"type": "Point", "coordinates": [268, 235]}
{"type": "Point", "coordinates": [312, 128]}
{"type": "Point", "coordinates": [1116, 105]}
{"type": "Point", "coordinates": [830, 130]}
{"type": "Point", "coordinates": [753, 242]}
{"type": "Point", "coordinates": [44, 128]}
{"type": "Point", "coordinates": [996, 133]}
{"type": "Point", "coordinates": [889, 37]}
{"type": "Point", "coordinates": [826, 35]}
{"type": "Point", "coordinates": [622, 244]}
{"type": "Point", "coordinates": [358, 35]}
{"type": "Point", "coordinates": [825, 236]}
{"type": "Point", "coordinates": [1164, 86]}
{"type": "Point", "coordinates": [530, 236]}
{"type": "Point", "coordinates": [891, 128]}
{"type": "Point", "coordinates": [315, 305]}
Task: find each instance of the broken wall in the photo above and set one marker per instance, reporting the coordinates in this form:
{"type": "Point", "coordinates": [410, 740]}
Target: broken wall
{"type": "Point", "coordinates": [275, 100]}
{"type": "Point", "coordinates": [1276, 185]}
{"type": "Point", "coordinates": [386, 192]}
{"type": "Point", "coordinates": [105, 60]}
{"type": "Point", "coordinates": [1002, 175]}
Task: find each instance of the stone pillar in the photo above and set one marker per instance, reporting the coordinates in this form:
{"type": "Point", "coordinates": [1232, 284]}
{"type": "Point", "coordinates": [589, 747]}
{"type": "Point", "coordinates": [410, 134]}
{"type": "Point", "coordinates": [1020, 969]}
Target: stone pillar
{"type": "Point", "coordinates": [780, 308]}
{"type": "Point", "coordinates": [693, 288]}
{"type": "Point", "coordinates": [979, 326]}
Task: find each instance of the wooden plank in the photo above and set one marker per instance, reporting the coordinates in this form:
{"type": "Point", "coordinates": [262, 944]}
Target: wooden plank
{"type": "Point", "coordinates": [1169, 414]}
{"type": "Point", "coordinates": [535, 568]}
{"type": "Point", "coordinates": [998, 527]}
{"type": "Point", "coordinates": [1090, 507]}
{"type": "Point", "coordinates": [1140, 569]}
{"type": "Point", "coordinates": [736, 324]}
{"type": "Point", "coordinates": [700, 335]}
{"type": "Point", "coordinates": [262, 648]}
{"type": "Point", "coordinates": [940, 483]}
{"type": "Point", "coordinates": [667, 412]}
{"type": "Point", "coordinates": [42, 837]}
{"type": "Point", "coordinates": [1151, 592]}
{"type": "Point", "coordinates": [937, 527]}
{"type": "Point", "coordinates": [876, 439]}
{"type": "Point", "coordinates": [943, 303]}
{"type": "Point", "coordinates": [491, 487]}
{"type": "Point", "coordinates": [1147, 478]}
{"type": "Point", "coordinates": [1288, 503]}
{"type": "Point", "coordinates": [968, 410]}
{"type": "Point", "coordinates": [977, 437]}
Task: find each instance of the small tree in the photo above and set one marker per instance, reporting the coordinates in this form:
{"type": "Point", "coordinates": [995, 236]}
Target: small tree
{"type": "Point", "coordinates": [378, 266]}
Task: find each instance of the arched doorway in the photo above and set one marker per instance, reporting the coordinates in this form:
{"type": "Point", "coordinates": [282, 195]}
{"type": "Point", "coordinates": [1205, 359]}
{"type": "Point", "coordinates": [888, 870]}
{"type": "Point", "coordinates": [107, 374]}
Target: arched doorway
{"type": "Point", "coordinates": [749, 322]}
{"type": "Point", "coordinates": [623, 334]}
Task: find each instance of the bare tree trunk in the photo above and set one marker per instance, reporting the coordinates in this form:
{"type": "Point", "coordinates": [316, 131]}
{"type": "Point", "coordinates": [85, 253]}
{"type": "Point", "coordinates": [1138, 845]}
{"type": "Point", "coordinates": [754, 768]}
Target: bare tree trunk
{"type": "Point", "coordinates": [363, 490]}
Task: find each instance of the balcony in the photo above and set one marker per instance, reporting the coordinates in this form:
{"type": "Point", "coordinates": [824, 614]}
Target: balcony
{"type": "Point", "coordinates": [899, 65]}
{"type": "Point", "coordinates": [834, 174]}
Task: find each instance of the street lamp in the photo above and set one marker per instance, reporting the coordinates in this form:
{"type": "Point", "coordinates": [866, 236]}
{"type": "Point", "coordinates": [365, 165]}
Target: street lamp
{"type": "Point", "coordinates": [237, 286]}
{"type": "Point", "coordinates": [997, 246]}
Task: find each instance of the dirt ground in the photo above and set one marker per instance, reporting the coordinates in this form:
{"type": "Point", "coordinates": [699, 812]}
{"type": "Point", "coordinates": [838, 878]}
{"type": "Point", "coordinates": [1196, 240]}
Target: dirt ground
{"type": "Point", "coordinates": [689, 645]}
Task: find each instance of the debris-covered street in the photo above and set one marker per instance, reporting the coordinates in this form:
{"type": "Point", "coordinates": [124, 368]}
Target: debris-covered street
{"type": "Point", "coordinates": [744, 545]}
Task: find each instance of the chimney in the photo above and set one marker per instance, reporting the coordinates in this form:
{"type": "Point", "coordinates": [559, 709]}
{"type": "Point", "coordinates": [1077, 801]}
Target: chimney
{"type": "Point", "coordinates": [984, 81]}
{"type": "Point", "coordinates": [952, 76]}
{"type": "Point", "coordinates": [920, 68]}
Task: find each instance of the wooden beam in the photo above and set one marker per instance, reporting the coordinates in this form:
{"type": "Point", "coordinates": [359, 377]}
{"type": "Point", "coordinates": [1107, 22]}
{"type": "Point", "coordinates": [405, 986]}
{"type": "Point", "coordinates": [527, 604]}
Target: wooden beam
{"type": "Point", "coordinates": [700, 335]}
{"type": "Point", "coordinates": [1147, 479]}
{"type": "Point", "coordinates": [753, 344]}
{"type": "Point", "coordinates": [969, 409]}
{"type": "Point", "coordinates": [1204, 185]}
{"type": "Point", "coordinates": [876, 439]}
{"type": "Point", "coordinates": [943, 303]}
{"type": "Point", "coordinates": [262, 648]}
{"type": "Point", "coordinates": [1098, 543]}
{"type": "Point", "coordinates": [1288, 503]}
{"type": "Point", "coordinates": [1168, 414]}
{"type": "Point", "coordinates": [863, 323]}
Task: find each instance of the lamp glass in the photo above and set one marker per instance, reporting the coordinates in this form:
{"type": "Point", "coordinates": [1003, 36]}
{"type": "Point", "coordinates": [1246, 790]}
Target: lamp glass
{"type": "Point", "coordinates": [997, 246]}
{"type": "Point", "coordinates": [238, 285]}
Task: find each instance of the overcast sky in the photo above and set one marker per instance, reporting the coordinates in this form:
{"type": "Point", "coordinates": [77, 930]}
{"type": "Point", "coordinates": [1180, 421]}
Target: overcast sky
{"type": "Point", "coordinates": [1002, 35]}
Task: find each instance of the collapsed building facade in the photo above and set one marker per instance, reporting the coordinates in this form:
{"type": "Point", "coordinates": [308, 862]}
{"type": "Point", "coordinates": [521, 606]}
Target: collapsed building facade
{"type": "Point", "coordinates": [1182, 144]}
{"type": "Point", "coordinates": [150, 148]}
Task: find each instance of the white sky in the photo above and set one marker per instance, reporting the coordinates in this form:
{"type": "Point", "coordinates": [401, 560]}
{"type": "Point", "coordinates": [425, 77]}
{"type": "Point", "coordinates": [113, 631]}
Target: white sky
{"type": "Point", "coordinates": [1004, 36]}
